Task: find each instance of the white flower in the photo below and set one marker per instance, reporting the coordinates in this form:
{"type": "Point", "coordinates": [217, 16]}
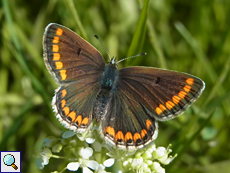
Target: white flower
{"type": "Point", "coordinates": [46, 154]}
{"type": "Point", "coordinates": [73, 166]}
{"type": "Point", "coordinates": [86, 153]}
{"type": "Point", "coordinates": [157, 168]}
{"type": "Point", "coordinates": [109, 162]}
{"type": "Point", "coordinates": [44, 159]}
{"type": "Point", "coordinates": [84, 161]}
{"type": "Point", "coordinates": [100, 169]}
{"type": "Point", "coordinates": [143, 160]}
{"type": "Point", "coordinates": [136, 163]}
{"type": "Point", "coordinates": [90, 140]}
{"type": "Point", "coordinates": [161, 154]}
{"type": "Point", "coordinates": [87, 136]}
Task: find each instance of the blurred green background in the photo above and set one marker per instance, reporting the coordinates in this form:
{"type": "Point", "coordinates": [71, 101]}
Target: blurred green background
{"type": "Point", "coordinates": [188, 36]}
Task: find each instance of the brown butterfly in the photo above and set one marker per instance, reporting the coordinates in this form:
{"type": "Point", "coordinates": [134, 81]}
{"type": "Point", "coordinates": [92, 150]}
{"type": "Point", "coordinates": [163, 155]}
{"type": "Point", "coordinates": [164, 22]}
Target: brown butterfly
{"type": "Point", "coordinates": [126, 103]}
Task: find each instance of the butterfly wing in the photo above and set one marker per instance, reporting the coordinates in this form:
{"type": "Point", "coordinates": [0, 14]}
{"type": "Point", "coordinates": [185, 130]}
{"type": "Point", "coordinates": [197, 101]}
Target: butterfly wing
{"type": "Point", "coordinates": [164, 94]}
{"type": "Point", "coordinates": [126, 124]}
{"type": "Point", "coordinates": [74, 103]}
{"type": "Point", "coordinates": [77, 67]}
{"type": "Point", "coordinates": [144, 95]}
{"type": "Point", "coordinates": [67, 56]}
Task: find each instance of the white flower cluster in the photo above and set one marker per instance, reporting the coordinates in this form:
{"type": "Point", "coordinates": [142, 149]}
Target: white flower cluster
{"type": "Point", "coordinates": [85, 153]}
{"type": "Point", "coordinates": [149, 160]}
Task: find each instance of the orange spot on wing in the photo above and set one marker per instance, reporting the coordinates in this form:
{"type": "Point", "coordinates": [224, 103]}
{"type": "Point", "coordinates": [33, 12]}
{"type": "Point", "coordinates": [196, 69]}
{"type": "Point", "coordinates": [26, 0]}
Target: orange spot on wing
{"type": "Point", "coordinates": [85, 121]}
{"type": "Point", "coordinates": [59, 32]}
{"type": "Point", "coordinates": [72, 115]}
{"type": "Point", "coordinates": [56, 39]}
{"type": "Point", "coordinates": [63, 93]}
{"type": "Point", "coordinates": [119, 136]}
{"type": "Point", "coordinates": [148, 123]}
{"type": "Point", "coordinates": [78, 120]}
{"type": "Point", "coordinates": [55, 48]}
{"type": "Point", "coordinates": [110, 131]}
{"type": "Point", "coordinates": [56, 56]}
{"type": "Point", "coordinates": [158, 110]}
{"type": "Point", "coordinates": [128, 136]}
{"type": "Point", "coordinates": [162, 107]}
{"type": "Point", "coordinates": [176, 99]}
{"type": "Point", "coordinates": [59, 65]}
{"type": "Point", "coordinates": [190, 81]}
{"type": "Point", "coordinates": [143, 133]}
{"type": "Point", "coordinates": [63, 74]}
{"type": "Point", "coordinates": [169, 104]}
{"type": "Point", "coordinates": [187, 88]}
{"type": "Point", "coordinates": [136, 136]}
{"type": "Point", "coordinates": [182, 94]}
{"type": "Point", "coordinates": [63, 102]}
{"type": "Point", "coordinates": [66, 110]}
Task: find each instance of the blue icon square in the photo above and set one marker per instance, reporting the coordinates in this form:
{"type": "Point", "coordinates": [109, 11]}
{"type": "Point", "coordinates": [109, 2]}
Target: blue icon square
{"type": "Point", "coordinates": [10, 161]}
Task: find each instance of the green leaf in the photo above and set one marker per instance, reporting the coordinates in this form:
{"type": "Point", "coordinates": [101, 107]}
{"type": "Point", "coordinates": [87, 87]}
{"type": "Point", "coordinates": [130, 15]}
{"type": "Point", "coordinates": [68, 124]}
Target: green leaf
{"type": "Point", "coordinates": [139, 35]}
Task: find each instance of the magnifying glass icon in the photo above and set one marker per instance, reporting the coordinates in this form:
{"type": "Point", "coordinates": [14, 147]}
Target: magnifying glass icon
{"type": "Point", "coordinates": [9, 160]}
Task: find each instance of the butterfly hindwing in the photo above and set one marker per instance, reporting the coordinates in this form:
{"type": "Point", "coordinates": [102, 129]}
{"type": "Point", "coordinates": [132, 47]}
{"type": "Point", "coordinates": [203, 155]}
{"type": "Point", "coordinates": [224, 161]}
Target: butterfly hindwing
{"type": "Point", "coordinates": [126, 124]}
{"type": "Point", "coordinates": [74, 103]}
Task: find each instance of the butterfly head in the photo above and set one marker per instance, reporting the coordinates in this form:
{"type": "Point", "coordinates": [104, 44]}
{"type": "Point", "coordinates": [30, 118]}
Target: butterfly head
{"type": "Point", "coordinates": [113, 61]}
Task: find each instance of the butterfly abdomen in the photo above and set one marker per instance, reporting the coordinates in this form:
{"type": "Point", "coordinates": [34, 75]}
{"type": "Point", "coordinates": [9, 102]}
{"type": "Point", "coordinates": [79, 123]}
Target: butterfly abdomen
{"type": "Point", "coordinates": [101, 104]}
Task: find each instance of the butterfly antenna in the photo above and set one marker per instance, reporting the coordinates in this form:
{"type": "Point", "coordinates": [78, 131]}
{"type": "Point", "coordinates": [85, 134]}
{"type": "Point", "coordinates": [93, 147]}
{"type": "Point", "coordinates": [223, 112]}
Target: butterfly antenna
{"type": "Point", "coordinates": [102, 45]}
{"type": "Point", "coordinates": [132, 57]}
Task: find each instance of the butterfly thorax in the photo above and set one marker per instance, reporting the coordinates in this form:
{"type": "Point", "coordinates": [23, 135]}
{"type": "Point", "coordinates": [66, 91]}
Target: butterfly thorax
{"type": "Point", "coordinates": [108, 87]}
{"type": "Point", "coordinates": [110, 75]}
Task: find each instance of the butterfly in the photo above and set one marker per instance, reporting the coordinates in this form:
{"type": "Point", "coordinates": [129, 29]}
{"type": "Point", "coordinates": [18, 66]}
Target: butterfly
{"type": "Point", "coordinates": [126, 103]}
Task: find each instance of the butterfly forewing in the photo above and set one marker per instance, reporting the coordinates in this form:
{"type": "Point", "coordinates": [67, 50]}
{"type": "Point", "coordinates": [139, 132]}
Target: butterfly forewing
{"type": "Point", "coordinates": [164, 94]}
{"type": "Point", "coordinates": [67, 56]}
